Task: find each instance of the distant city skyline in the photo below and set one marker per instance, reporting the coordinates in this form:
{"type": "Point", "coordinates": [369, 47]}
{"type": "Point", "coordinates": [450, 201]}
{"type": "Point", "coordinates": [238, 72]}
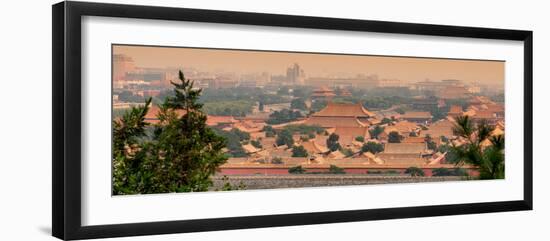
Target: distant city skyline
{"type": "Point", "coordinates": [408, 69]}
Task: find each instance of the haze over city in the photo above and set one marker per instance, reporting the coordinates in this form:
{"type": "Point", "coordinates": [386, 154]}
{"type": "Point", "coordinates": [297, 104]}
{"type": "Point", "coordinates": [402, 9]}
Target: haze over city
{"type": "Point", "coordinates": [282, 115]}
{"type": "Point", "coordinates": [407, 69]}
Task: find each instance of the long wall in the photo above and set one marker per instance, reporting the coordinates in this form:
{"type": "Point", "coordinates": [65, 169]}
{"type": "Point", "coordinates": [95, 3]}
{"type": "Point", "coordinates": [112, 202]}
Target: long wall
{"type": "Point", "coordinates": [318, 180]}
{"type": "Point", "coordinates": [284, 170]}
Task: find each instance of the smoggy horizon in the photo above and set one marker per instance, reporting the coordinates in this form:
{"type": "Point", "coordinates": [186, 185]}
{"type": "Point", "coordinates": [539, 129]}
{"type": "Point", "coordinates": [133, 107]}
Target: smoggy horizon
{"type": "Point", "coordinates": [408, 69]}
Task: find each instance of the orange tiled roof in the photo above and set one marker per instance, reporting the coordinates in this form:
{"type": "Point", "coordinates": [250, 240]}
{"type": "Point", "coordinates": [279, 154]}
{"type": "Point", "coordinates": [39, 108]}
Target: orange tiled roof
{"type": "Point", "coordinates": [344, 110]}
{"type": "Point", "coordinates": [404, 148]}
{"type": "Point", "coordinates": [413, 140]}
{"type": "Point", "coordinates": [327, 122]}
{"type": "Point", "coordinates": [213, 120]}
{"type": "Point", "coordinates": [249, 148]}
{"type": "Point", "coordinates": [438, 129]}
{"type": "Point", "coordinates": [323, 92]}
{"type": "Point", "coordinates": [483, 114]}
{"type": "Point", "coordinates": [455, 109]}
{"type": "Point", "coordinates": [495, 108]}
{"type": "Point", "coordinates": [404, 126]}
{"type": "Point", "coordinates": [313, 148]}
{"type": "Point", "coordinates": [353, 131]}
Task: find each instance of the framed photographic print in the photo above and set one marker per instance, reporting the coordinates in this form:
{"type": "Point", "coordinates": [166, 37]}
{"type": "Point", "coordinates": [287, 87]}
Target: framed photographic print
{"type": "Point", "coordinates": [169, 120]}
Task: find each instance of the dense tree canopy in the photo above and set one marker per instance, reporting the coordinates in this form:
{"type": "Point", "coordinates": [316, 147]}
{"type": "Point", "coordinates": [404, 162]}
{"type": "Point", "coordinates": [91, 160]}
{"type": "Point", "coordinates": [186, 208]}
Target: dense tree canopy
{"type": "Point", "coordinates": [332, 142]}
{"type": "Point", "coordinates": [299, 151]}
{"type": "Point", "coordinates": [233, 140]}
{"type": "Point", "coordinates": [489, 159]}
{"type": "Point", "coordinates": [298, 103]}
{"type": "Point", "coordinates": [394, 137]}
{"type": "Point", "coordinates": [372, 147]}
{"type": "Point", "coordinates": [285, 138]}
{"type": "Point", "coordinates": [180, 155]}
{"type": "Point", "coordinates": [296, 170]}
{"type": "Point", "coordinates": [283, 116]}
{"type": "Point", "coordinates": [376, 131]}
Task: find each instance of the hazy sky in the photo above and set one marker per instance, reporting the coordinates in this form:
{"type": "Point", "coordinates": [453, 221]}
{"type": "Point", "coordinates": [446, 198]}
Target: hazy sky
{"type": "Point", "coordinates": [241, 62]}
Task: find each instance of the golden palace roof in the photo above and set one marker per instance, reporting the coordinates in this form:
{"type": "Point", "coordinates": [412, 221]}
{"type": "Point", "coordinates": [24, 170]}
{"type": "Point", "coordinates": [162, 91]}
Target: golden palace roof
{"type": "Point", "coordinates": [344, 110]}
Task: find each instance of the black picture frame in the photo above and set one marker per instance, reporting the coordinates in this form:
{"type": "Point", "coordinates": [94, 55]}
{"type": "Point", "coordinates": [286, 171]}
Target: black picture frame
{"type": "Point", "coordinates": [66, 141]}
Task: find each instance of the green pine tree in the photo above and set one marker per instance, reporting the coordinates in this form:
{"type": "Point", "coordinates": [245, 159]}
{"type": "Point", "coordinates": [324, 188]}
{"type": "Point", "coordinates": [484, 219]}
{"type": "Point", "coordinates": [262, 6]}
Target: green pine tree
{"type": "Point", "coordinates": [180, 155]}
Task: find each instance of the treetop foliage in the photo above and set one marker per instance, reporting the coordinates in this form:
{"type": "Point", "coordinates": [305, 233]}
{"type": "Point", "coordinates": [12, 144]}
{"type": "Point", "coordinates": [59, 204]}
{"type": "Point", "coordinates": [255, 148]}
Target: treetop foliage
{"type": "Point", "coordinates": [489, 159]}
{"type": "Point", "coordinates": [180, 155]}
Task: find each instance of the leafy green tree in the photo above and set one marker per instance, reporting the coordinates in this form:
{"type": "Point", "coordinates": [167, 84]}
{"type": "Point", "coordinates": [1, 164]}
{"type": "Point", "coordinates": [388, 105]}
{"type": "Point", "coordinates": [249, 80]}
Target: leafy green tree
{"type": "Point", "coordinates": [269, 131]}
{"type": "Point", "coordinates": [400, 111]}
{"type": "Point", "coordinates": [394, 137]}
{"type": "Point", "coordinates": [347, 152]}
{"type": "Point", "coordinates": [305, 129]}
{"type": "Point", "coordinates": [440, 172]}
{"type": "Point", "coordinates": [301, 92]}
{"type": "Point", "coordinates": [233, 141]}
{"type": "Point", "coordinates": [415, 172]}
{"type": "Point", "coordinates": [298, 103]}
{"type": "Point", "coordinates": [299, 151]}
{"type": "Point", "coordinates": [230, 107]}
{"type": "Point", "coordinates": [333, 169]}
{"type": "Point", "coordinates": [430, 142]}
{"type": "Point", "coordinates": [296, 170]}
{"type": "Point", "coordinates": [332, 142]}
{"type": "Point", "coordinates": [283, 116]}
{"type": "Point", "coordinates": [256, 143]}
{"type": "Point", "coordinates": [130, 172]}
{"type": "Point", "coordinates": [372, 147]}
{"type": "Point", "coordinates": [490, 160]}
{"type": "Point", "coordinates": [285, 138]}
{"type": "Point", "coordinates": [450, 156]}
{"type": "Point", "coordinates": [277, 160]}
{"type": "Point", "coordinates": [318, 105]}
{"type": "Point", "coordinates": [360, 138]}
{"type": "Point", "coordinates": [243, 136]}
{"type": "Point", "coordinates": [180, 156]}
{"type": "Point", "coordinates": [376, 131]}
{"type": "Point", "coordinates": [385, 121]}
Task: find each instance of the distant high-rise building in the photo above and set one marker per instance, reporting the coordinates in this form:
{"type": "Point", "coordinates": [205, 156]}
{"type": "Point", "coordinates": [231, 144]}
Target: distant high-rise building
{"type": "Point", "coordinates": [122, 64]}
{"type": "Point", "coordinates": [295, 74]}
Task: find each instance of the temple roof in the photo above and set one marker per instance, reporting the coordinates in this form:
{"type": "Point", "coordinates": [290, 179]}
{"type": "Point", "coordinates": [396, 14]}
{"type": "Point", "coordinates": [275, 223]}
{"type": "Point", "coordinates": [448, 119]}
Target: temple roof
{"type": "Point", "coordinates": [455, 109]}
{"type": "Point", "coordinates": [438, 129]}
{"type": "Point", "coordinates": [402, 127]}
{"type": "Point", "coordinates": [323, 92]}
{"type": "Point", "coordinates": [334, 121]}
{"type": "Point", "coordinates": [213, 120]}
{"type": "Point", "coordinates": [411, 139]}
{"type": "Point", "coordinates": [344, 110]}
{"type": "Point", "coordinates": [353, 131]}
{"type": "Point", "coordinates": [249, 148]}
{"type": "Point", "coordinates": [483, 114]}
{"type": "Point", "coordinates": [313, 148]}
{"type": "Point", "coordinates": [404, 148]}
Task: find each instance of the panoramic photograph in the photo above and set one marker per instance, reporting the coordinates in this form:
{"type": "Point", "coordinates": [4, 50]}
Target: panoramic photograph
{"type": "Point", "coordinates": [201, 119]}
